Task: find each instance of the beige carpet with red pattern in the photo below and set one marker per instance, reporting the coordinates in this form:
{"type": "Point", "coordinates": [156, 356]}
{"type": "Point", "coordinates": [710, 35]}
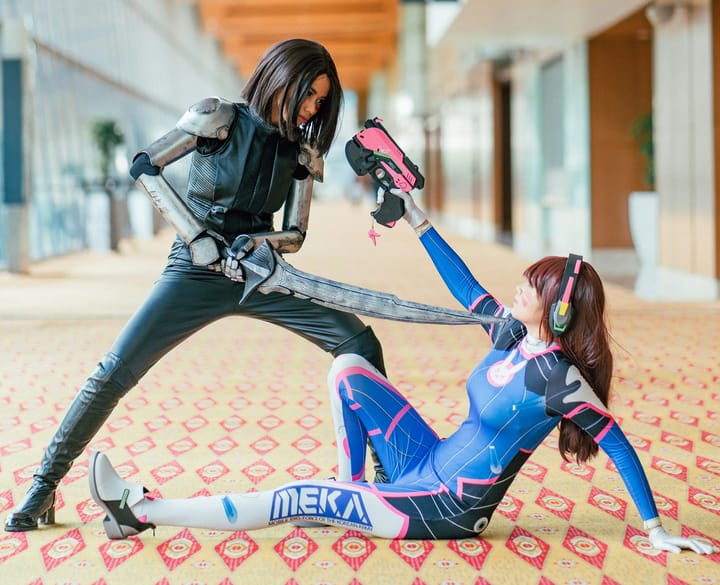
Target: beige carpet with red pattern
{"type": "Point", "coordinates": [242, 406]}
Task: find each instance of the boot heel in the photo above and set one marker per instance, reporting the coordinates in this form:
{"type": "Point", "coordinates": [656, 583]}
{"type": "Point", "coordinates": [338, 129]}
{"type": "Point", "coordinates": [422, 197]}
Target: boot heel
{"type": "Point", "coordinates": [38, 507]}
{"type": "Point", "coordinates": [48, 518]}
{"type": "Point", "coordinates": [113, 530]}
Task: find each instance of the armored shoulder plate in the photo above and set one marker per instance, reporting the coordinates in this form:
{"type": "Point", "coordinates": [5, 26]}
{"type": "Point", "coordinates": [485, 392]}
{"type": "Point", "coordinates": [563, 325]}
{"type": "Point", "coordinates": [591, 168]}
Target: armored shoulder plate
{"type": "Point", "coordinates": [208, 118]}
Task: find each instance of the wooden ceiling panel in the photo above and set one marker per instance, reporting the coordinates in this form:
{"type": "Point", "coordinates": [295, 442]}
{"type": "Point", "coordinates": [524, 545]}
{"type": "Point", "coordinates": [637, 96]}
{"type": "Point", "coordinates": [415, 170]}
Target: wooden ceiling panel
{"type": "Point", "coordinates": [361, 35]}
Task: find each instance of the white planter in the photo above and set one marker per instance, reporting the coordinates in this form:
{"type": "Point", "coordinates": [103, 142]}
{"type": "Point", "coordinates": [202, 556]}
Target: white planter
{"type": "Point", "coordinates": [97, 226]}
{"type": "Point", "coordinates": [643, 213]}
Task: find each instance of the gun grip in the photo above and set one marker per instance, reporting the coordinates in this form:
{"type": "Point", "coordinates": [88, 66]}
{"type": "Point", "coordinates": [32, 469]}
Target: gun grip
{"type": "Point", "coordinates": [390, 210]}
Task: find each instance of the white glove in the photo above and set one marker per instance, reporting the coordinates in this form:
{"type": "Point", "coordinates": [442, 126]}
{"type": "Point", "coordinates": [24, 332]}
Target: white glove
{"type": "Point", "coordinates": [413, 214]}
{"type": "Point", "coordinates": [661, 540]}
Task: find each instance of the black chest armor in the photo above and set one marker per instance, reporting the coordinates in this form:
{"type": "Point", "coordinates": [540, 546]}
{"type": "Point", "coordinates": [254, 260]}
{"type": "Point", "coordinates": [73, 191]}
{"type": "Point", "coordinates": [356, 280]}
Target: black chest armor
{"type": "Point", "coordinates": [236, 186]}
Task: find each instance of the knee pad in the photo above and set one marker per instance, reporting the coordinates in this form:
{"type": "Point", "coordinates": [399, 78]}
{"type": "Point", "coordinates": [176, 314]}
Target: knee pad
{"type": "Point", "coordinates": [364, 344]}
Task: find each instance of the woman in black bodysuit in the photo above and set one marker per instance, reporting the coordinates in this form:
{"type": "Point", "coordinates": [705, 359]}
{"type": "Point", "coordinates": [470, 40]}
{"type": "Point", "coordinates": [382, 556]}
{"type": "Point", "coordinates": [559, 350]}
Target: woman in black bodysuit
{"type": "Point", "coordinates": [249, 159]}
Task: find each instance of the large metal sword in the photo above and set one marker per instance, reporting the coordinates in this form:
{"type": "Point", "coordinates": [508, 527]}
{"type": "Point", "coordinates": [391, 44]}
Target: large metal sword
{"type": "Point", "coordinates": [266, 272]}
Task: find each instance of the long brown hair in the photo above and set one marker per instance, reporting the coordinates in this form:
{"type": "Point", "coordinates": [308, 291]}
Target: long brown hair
{"type": "Point", "coordinates": [286, 73]}
{"type": "Point", "coordinates": [586, 341]}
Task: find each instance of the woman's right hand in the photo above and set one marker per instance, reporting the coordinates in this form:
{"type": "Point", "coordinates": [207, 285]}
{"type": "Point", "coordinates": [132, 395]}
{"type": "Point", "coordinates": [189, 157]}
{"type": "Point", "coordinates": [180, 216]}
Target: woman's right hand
{"type": "Point", "coordinates": [413, 214]}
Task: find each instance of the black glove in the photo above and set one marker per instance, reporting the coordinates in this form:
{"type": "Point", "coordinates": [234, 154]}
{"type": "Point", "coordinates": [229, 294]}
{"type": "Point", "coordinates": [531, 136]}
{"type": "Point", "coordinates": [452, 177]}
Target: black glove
{"type": "Point", "coordinates": [142, 166]}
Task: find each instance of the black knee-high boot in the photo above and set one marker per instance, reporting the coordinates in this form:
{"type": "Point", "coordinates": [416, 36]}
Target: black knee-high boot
{"type": "Point", "coordinates": [367, 345]}
{"type": "Point", "coordinates": [88, 412]}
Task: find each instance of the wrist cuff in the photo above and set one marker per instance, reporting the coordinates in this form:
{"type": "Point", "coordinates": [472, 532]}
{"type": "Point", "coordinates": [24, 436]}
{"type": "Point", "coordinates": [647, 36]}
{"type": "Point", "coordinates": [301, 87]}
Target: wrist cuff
{"type": "Point", "coordinates": [652, 523]}
{"type": "Point", "coordinates": [423, 227]}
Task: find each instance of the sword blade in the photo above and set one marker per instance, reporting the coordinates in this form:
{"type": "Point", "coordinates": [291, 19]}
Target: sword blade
{"type": "Point", "coordinates": [285, 278]}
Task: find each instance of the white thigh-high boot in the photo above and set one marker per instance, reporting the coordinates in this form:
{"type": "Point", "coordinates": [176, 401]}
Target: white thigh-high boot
{"type": "Point", "coordinates": [304, 503]}
{"type": "Point", "coordinates": [246, 511]}
{"type": "Point", "coordinates": [130, 512]}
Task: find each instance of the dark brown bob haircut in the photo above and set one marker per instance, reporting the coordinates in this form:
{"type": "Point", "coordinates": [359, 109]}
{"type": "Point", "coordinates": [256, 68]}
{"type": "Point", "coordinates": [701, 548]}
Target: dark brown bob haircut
{"type": "Point", "coordinates": [286, 73]}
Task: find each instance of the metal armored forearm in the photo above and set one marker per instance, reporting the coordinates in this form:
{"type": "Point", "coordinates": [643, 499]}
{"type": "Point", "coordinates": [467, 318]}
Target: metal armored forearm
{"type": "Point", "coordinates": [209, 118]}
{"type": "Point", "coordinates": [203, 248]}
{"type": "Point", "coordinates": [295, 220]}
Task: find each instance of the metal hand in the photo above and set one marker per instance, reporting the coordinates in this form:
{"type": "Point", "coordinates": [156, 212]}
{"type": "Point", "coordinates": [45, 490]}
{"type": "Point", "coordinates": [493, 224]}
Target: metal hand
{"type": "Point", "coordinates": [230, 264]}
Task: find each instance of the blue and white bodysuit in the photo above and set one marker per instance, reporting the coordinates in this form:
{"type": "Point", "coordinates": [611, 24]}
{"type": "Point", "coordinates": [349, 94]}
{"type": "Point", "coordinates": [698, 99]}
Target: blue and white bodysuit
{"type": "Point", "coordinates": [518, 394]}
{"type": "Point", "coordinates": [439, 488]}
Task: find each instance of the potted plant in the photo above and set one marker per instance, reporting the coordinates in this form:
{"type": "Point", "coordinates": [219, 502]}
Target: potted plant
{"type": "Point", "coordinates": [642, 131]}
{"type": "Point", "coordinates": [107, 136]}
{"type": "Point", "coordinates": [643, 207]}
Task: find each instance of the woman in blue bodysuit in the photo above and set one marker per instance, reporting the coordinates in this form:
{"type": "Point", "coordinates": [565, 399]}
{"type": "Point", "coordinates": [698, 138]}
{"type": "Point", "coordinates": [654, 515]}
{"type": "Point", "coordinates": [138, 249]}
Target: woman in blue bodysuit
{"type": "Point", "coordinates": [531, 381]}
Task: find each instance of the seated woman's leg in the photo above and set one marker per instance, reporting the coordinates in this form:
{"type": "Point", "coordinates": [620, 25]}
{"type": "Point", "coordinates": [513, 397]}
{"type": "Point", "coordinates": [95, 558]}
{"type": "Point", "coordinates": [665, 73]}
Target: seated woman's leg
{"type": "Point", "coordinates": [364, 404]}
{"type": "Point", "coordinates": [129, 511]}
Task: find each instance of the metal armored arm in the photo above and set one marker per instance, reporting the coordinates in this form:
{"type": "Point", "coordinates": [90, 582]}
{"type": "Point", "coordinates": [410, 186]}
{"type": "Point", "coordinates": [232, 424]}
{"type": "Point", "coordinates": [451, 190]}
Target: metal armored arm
{"type": "Point", "coordinates": [295, 220]}
{"type": "Point", "coordinates": [297, 206]}
{"type": "Point", "coordinates": [209, 118]}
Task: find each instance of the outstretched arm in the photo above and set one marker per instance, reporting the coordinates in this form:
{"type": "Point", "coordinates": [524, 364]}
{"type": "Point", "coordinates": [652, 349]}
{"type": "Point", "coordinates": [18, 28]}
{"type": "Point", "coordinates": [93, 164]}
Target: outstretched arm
{"type": "Point", "coordinates": [570, 396]}
{"type": "Point", "coordinates": [452, 269]}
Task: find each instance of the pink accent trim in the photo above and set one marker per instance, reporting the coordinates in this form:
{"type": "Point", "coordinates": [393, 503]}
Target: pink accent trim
{"type": "Point", "coordinates": [476, 301]}
{"type": "Point", "coordinates": [568, 288]}
{"type": "Point", "coordinates": [464, 480]}
{"type": "Point", "coordinates": [142, 518]}
{"type": "Point", "coordinates": [605, 431]}
{"type": "Point", "coordinates": [346, 446]}
{"type": "Point", "coordinates": [578, 265]}
{"type": "Point", "coordinates": [369, 487]}
{"type": "Point", "coordinates": [607, 427]}
{"type": "Point", "coordinates": [396, 420]}
{"type": "Point", "coordinates": [577, 409]}
{"type": "Point", "coordinates": [355, 406]}
{"type": "Point", "coordinates": [548, 349]}
{"type": "Point", "coordinates": [499, 311]}
{"type": "Point", "coordinates": [374, 432]}
{"type": "Point", "coordinates": [343, 374]}
{"type": "Point", "coordinates": [348, 387]}
{"type": "Point", "coordinates": [358, 476]}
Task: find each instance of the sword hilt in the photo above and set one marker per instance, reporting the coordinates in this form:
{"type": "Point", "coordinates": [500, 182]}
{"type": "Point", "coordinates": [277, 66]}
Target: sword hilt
{"type": "Point", "coordinates": [258, 267]}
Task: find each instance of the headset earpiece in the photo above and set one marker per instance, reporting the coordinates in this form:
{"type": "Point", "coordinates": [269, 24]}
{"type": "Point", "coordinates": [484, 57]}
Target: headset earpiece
{"type": "Point", "coordinates": [561, 310]}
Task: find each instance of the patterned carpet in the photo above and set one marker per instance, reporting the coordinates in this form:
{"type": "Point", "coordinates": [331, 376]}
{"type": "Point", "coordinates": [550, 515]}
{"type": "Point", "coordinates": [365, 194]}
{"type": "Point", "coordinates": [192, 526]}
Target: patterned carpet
{"type": "Point", "coordinates": [242, 406]}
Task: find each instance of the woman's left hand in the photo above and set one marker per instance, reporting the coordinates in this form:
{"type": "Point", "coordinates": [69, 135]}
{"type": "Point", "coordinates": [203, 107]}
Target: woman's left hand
{"type": "Point", "coordinates": [413, 214]}
{"type": "Point", "coordinates": [661, 540]}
